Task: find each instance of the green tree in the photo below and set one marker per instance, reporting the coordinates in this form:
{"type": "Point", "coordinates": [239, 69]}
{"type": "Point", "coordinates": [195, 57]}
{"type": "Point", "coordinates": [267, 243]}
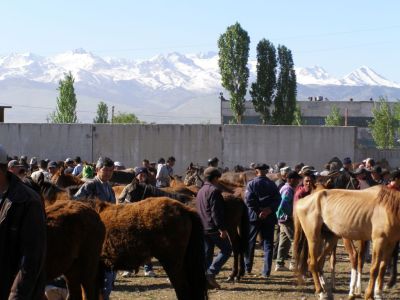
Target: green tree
{"type": "Point", "coordinates": [102, 113]}
{"type": "Point", "coordinates": [383, 124]}
{"type": "Point", "coordinates": [334, 118]}
{"type": "Point", "coordinates": [263, 90]}
{"type": "Point", "coordinates": [298, 118]}
{"type": "Point", "coordinates": [66, 102]}
{"type": "Point", "coordinates": [286, 91]}
{"type": "Point", "coordinates": [233, 56]}
{"type": "Point", "coordinates": [126, 118]}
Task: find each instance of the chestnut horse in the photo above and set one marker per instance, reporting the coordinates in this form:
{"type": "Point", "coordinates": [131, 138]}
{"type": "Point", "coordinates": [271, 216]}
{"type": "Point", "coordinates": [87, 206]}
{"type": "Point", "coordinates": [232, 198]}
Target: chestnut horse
{"type": "Point", "coordinates": [75, 236]}
{"type": "Point", "coordinates": [63, 180]}
{"type": "Point", "coordinates": [322, 217]}
{"type": "Point", "coordinates": [161, 228]}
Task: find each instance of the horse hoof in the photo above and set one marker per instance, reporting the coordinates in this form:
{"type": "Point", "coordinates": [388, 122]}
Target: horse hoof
{"type": "Point", "coordinates": [389, 285]}
{"type": "Point", "coordinates": [230, 279]}
{"type": "Point", "coordinates": [324, 296]}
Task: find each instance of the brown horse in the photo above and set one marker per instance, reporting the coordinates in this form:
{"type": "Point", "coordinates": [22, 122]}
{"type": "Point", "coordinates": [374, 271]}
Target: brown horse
{"type": "Point", "coordinates": [321, 218]}
{"type": "Point", "coordinates": [63, 180]}
{"type": "Point", "coordinates": [161, 228]}
{"type": "Point", "coordinates": [75, 236]}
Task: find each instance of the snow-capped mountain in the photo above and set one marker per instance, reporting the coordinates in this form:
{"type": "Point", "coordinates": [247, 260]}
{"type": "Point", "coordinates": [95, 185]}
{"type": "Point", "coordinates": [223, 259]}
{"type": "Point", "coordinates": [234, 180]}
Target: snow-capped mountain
{"type": "Point", "coordinates": [166, 88]}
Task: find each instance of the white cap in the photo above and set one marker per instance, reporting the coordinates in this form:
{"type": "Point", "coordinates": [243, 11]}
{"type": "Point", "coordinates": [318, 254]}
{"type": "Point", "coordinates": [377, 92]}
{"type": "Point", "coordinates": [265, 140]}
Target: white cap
{"type": "Point", "coordinates": [118, 164]}
{"type": "Point", "coordinates": [3, 155]}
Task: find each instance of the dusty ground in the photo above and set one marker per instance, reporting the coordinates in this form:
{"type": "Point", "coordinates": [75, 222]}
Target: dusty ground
{"type": "Point", "coordinates": [279, 285]}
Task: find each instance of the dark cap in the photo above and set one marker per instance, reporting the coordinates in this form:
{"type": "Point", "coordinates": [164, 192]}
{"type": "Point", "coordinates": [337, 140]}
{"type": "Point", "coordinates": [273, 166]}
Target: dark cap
{"type": "Point", "coordinates": [359, 171]}
{"type": "Point", "coordinates": [212, 172]}
{"type": "Point", "coordinates": [213, 160]}
{"type": "Point", "coordinates": [293, 175]}
{"type": "Point", "coordinates": [376, 169]}
{"type": "Point", "coordinates": [262, 167]}
{"type": "Point", "coordinates": [52, 164]}
{"type": "Point", "coordinates": [346, 160]}
{"type": "Point", "coordinates": [141, 170]}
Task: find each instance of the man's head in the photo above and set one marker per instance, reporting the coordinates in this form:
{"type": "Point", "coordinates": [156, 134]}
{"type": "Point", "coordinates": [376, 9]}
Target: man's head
{"type": "Point", "coordinates": [141, 174]}
{"type": "Point", "coordinates": [293, 178]}
{"type": "Point", "coordinates": [261, 169]}
{"type": "Point", "coordinates": [14, 167]}
{"type": "Point", "coordinates": [104, 168]}
{"type": "Point", "coordinates": [395, 178]}
{"type": "Point", "coordinates": [43, 164]}
{"type": "Point", "coordinates": [347, 163]}
{"type": "Point", "coordinates": [309, 180]}
{"type": "Point", "coordinates": [376, 173]}
{"type": "Point", "coordinates": [171, 161]}
{"type": "Point", "coordinates": [69, 162]}
{"type": "Point", "coordinates": [118, 166]}
{"type": "Point", "coordinates": [52, 167]}
{"type": "Point", "coordinates": [212, 174]}
{"type": "Point", "coordinates": [146, 163]}
{"type": "Point", "coordinates": [213, 162]}
{"type": "Point", "coordinates": [78, 160]}
{"type": "Point", "coordinates": [284, 172]}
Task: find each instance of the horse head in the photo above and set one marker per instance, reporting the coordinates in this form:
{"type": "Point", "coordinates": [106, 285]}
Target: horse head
{"type": "Point", "coordinates": [132, 192]}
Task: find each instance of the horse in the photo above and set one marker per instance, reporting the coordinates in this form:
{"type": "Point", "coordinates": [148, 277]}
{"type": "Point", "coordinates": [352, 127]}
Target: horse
{"type": "Point", "coordinates": [370, 214]}
{"type": "Point", "coordinates": [136, 191]}
{"type": "Point", "coordinates": [75, 236]}
{"type": "Point", "coordinates": [161, 228]}
{"type": "Point", "coordinates": [63, 180]}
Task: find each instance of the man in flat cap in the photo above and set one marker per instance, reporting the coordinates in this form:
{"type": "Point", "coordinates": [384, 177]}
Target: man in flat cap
{"type": "Point", "coordinates": [262, 199]}
{"type": "Point", "coordinates": [210, 207]}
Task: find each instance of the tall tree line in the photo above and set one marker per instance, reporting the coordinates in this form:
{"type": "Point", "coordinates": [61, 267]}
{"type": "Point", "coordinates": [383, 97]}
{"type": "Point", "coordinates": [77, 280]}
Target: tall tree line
{"type": "Point", "coordinates": [274, 92]}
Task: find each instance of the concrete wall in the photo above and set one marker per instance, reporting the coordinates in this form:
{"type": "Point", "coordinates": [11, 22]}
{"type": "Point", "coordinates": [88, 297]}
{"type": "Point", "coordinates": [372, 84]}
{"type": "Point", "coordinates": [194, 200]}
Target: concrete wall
{"type": "Point", "coordinates": [233, 144]}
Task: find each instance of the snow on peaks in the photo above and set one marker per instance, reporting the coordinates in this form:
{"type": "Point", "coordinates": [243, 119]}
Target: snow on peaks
{"type": "Point", "coordinates": [314, 75]}
{"type": "Point", "coordinates": [78, 59]}
{"type": "Point", "coordinates": [367, 76]}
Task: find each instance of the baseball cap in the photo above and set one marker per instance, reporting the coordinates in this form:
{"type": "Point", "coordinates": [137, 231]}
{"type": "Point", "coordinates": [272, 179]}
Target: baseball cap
{"type": "Point", "coordinates": [52, 164]}
{"type": "Point", "coordinates": [285, 170]}
{"type": "Point", "coordinates": [69, 160]}
{"type": "Point", "coordinates": [118, 164]}
{"type": "Point", "coordinates": [211, 171]}
{"type": "Point", "coordinates": [262, 167]}
{"type": "Point", "coordinates": [346, 160]}
{"type": "Point", "coordinates": [33, 161]}
{"type": "Point", "coordinates": [3, 155]}
{"type": "Point", "coordinates": [141, 170]}
{"type": "Point", "coordinates": [293, 175]}
{"type": "Point", "coordinates": [14, 163]}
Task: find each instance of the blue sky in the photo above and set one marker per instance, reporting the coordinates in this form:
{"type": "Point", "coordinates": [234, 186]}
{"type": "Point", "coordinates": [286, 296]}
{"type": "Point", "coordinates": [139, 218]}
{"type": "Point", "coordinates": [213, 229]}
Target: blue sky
{"type": "Point", "coordinates": [337, 35]}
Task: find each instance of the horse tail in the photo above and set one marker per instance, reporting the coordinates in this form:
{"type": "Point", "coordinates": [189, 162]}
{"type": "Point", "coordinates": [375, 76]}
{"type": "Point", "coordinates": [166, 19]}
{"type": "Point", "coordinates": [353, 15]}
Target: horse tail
{"type": "Point", "coordinates": [194, 262]}
{"type": "Point", "coordinates": [300, 248]}
{"type": "Point", "coordinates": [244, 229]}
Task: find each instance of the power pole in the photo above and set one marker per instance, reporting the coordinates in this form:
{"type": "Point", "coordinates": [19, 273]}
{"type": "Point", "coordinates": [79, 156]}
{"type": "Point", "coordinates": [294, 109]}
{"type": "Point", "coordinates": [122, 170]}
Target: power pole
{"type": "Point", "coordinates": [112, 114]}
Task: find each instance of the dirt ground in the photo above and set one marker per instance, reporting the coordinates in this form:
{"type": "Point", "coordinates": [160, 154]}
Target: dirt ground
{"type": "Point", "coordinates": [279, 285]}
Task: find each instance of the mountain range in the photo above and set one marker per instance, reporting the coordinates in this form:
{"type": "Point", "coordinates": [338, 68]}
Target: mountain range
{"type": "Point", "coordinates": [171, 88]}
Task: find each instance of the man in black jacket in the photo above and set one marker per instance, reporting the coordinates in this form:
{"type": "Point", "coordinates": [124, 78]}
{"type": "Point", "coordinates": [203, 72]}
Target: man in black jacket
{"type": "Point", "coordinates": [22, 238]}
{"type": "Point", "coordinates": [210, 207]}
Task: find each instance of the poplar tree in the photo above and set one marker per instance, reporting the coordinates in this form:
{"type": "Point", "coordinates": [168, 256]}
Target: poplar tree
{"type": "Point", "coordinates": [66, 102]}
{"type": "Point", "coordinates": [383, 125]}
{"type": "Point", "coordinates": [102, 113]}
{"type": "Point", "coordinates": [334, 118]}
{"type": "Point", "coordinates": [233, 56]}
{"type": "Point", "coordinates": [263, 90]}
{"type": "Point", "coordinates": [285, 100]}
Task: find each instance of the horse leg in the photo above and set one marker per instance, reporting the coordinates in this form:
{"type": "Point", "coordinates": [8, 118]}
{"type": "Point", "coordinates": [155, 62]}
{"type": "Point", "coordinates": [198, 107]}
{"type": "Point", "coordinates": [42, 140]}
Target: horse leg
{"type": "Point", "coordinates": [332, 262]}
{"type": "Point", "coordinates": [393, 269]}
{"type": "Point", "coordinates": [330, 245]}
{"type": "Point", "coordinates": [361, 252]}
{"type": "Point", "coordinates": [314, 249]}
{"type": "Point", "coordinates": [74, 283]}
{"type": "Point", "coordinates": [350, 249]}
{"type": "Point", "coordinates": [235, 249]}
{"type": "Point", "coordinates": [386, 255]}
{"type": "Point", "coordinates": [90, 279]}
{"type": "Point", "coordinates": [377, 250]}
{"type": "Point", "coordinates": [177, 278]}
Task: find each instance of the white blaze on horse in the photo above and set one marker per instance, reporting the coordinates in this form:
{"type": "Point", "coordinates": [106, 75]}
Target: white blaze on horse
{"type": "Point", "coordinates": [322, 217]}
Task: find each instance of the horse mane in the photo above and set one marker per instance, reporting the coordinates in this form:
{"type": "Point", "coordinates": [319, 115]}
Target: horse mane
{"type": "Point", "coordinates": [390, 199]}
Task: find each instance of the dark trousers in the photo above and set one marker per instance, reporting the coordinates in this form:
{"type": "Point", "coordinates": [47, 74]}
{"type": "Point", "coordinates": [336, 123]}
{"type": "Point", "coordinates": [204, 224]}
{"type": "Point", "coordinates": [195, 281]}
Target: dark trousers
{"type": "Point", "coordinates": [266, 229]}
{"type": "Point", "coordinates": [210, 241]}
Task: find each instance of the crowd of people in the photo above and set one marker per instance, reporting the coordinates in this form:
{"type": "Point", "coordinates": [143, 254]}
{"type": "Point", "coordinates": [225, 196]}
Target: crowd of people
{"type": "Point", "coordinates": [269, 206]}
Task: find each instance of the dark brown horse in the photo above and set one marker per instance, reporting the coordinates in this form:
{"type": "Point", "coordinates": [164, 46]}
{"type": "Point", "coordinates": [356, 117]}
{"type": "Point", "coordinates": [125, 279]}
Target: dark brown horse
{"type": "Point", "coordinates": [161, 228]}
{"type": "Point", "coordinates": [75, 236]}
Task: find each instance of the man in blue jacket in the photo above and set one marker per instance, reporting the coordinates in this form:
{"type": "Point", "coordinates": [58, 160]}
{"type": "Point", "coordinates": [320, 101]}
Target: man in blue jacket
{"type": "Point", "coordinates": [262, 199]}
{"type": "Point", "coordinates": [210, 207]}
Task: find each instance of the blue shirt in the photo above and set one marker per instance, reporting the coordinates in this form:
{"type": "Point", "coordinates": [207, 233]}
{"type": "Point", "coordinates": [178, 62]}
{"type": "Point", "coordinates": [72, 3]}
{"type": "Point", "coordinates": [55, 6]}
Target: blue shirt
{"type": "Point", "coordinates": [285, 210]}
